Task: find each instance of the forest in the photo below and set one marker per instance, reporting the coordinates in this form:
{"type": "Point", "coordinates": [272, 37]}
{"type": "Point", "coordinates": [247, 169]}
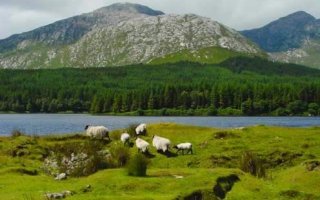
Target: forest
{"type": "Point", "coordinates": [235, 87]}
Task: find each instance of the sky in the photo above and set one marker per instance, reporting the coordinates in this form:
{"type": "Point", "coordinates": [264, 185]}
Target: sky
{"type": "Point", "coordinates": [18, 16]}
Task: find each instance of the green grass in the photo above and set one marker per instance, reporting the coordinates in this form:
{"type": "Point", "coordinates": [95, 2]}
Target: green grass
{"type": "Point", "coordinates": [217, 153]}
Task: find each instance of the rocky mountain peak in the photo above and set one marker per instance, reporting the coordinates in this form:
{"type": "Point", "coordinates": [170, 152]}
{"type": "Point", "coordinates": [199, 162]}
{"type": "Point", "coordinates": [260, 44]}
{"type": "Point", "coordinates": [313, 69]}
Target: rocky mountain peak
{"type": "Point", "coordinates": [283, 34]}
{"type": "Point", "coordinates": [129, 8]}
{"type": "Point", "coordinates": [299, 18]}
{"type": "Point", "coordinates": [119, 34]}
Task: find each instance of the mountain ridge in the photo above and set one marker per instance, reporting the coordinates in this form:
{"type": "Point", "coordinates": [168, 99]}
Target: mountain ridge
{"type": "Point", "coordinates": [118, 34]}
{"type": "Point", "coordinates": [294, 38]}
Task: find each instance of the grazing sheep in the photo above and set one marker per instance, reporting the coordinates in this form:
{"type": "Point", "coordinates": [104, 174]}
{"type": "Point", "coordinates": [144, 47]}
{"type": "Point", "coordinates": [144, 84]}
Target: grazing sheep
{"type": "Point", "coordinates": [184, 146]}
{"type": "Point", "coordinates": [142, 145]}
{"type": "Point", "coordinates": [161, 143]}
{"type": "Point", "coordinates": [141, 129]}
{"type": "Point", "coordinates": [98, 132]}
{"type": "Point", "coordinates": [125, 138]}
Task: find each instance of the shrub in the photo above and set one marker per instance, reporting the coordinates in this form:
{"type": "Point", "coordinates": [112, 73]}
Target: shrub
{"type": "Point", "coordinates": [120, 154]}
{"type": "Point", "coordinates": [116, 135]}
{"type": "Point", "coordinates": [224, 135]}
{"type": "Point", "coordinates": [16, 133]}
{"type": "Point", "coordinates": [132, 129]}
{"type": "Point", "coordinates": [251, 164]}
{"type": "Point", "coordinates": [137, 166]}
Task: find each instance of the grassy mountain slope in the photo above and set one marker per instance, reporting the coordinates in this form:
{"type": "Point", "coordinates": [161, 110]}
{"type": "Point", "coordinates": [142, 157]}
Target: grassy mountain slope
{"type": "Point", "coordinates": [307, 54]}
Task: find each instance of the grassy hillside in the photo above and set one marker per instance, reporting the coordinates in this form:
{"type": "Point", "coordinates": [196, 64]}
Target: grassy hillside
{"type": "Point", "coordinates": [217, 153]}
{"type": "Point", "coordinates": [307, 54]}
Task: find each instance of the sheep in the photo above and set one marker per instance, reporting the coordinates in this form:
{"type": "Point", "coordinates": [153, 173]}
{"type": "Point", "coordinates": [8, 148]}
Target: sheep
{"type": "Point", "coordinates": [125, 138]}
{"type": "Point", "coordinates": [99, 132]}
{"type": "Point", "coordinates": [184, 146]}
{"type": "Point", "coordinates": [142, 145]}
{"type": "Point", "coordinates": [161, 143]}
{"type": "Point", "coordinates": [141, 129]}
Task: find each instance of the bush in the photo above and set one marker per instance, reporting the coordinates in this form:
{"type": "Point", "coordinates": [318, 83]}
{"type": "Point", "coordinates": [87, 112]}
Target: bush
{"type": "Point", "coordinates": [137, 166]}
{"type": "Point", "coordinates": [132, 129]}
{"type": "Point", "coordinates": [16, 133]}
{"type": "Point", "coordinates": [251, 164]}
{"type": "Point", "coordinates": [120, 154]}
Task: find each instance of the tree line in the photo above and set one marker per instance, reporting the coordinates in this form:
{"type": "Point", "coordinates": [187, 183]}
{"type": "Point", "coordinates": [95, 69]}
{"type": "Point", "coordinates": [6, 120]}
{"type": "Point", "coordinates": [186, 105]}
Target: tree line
{"type": "Point", "coordinates": [177, 89]}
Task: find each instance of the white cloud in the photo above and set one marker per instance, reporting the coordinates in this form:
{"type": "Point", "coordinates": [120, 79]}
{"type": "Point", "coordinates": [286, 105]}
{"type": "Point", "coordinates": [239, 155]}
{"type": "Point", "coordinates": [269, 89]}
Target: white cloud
{"type": "Point", "coordinates": [17, 16]}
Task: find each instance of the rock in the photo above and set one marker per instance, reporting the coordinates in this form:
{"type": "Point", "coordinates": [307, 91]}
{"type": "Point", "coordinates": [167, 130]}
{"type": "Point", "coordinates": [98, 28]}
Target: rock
{"type": "Point", "coordinates": [55, 196]}
{"type": "Point", "coordinates": [312, 165]}
{"type": "Point", "coordinates": [87, 188]}
{"type": "Point", "coordinates": [61, 176]}
{"type": "Point", "coordinates": [59, 195]}
{"type": "Point", "coordinates": [178, 177]}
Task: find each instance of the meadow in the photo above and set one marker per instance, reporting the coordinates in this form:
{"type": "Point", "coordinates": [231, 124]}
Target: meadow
{"type": "Point", "coordinates": [288, 156]}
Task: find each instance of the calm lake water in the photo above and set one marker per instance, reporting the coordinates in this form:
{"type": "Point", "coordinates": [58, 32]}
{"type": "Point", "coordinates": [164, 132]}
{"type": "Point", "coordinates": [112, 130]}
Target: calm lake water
{"type": "Point", "coordinates": [66, 123]}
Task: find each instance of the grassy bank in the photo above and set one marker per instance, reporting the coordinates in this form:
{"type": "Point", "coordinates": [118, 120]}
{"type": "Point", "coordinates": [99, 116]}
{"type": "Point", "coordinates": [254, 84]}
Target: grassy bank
{"type": "Point", "coordinates": [217, 154]}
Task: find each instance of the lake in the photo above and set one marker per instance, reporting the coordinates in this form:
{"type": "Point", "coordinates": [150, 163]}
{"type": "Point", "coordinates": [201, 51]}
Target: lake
{"type": "Point", "coordinates": [43, 124]}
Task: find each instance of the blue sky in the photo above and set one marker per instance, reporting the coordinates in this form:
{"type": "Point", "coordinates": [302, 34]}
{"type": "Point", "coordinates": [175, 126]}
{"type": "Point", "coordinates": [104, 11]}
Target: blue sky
{"type": "Point", "coordinates": [18, 16]}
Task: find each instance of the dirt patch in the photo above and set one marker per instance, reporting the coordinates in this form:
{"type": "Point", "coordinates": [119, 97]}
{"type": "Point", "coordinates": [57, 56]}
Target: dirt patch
{"type": "Point", "coordinates": [293, 194]}
{"type": "Point", "coordinates": [224, 185]}
{"type": "Point", "coordinates": [224, 135]}
{"type": "Point", "coordinates": [223, 161]}
{"type": "Point", "coordinates": [30, 172]}
{"type": "Point", "coordinates": [199, 195]}
{"type": "Point", "coordinates": [281, 158]}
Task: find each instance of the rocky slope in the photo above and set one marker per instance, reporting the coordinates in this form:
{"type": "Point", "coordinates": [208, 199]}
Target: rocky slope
{"type": "Point", "coordinates": [119, 34]}
{"type": "Point", "coordinates": [294, 38]}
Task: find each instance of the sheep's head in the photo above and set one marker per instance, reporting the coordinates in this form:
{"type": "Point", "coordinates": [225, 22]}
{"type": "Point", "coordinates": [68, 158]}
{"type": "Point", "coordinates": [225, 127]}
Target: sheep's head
{"type": "Point", "coordinates": [175, 146]}
{"type": "Point", "coordinates": [87, 126]}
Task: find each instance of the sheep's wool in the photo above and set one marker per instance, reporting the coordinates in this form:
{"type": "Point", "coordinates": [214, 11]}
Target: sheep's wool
{"type": "Point", "coordinates": [142, 145]}
{"type": "Point", "coordinates": [99, 132]}
{"type": "Point", "coordinates": [161, 143]}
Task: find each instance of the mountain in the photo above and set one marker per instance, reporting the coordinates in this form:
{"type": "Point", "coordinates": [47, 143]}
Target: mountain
{"type": "Point", "coordinates": [120, 34]}
{"type": "Point", "coordinates": [294, 38]}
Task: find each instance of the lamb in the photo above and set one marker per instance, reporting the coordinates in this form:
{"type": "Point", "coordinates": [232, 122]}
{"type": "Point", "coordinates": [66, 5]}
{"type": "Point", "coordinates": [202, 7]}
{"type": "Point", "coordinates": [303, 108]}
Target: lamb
{"type": "Point", "coordinates": [184, 146]}
{"type": "Point", "coordinates": [142, 145]}
{"type": "Point", "coordinates": [99, 132]}
{"type": "Point", "coordinates": [141, 129]}
{"type": "Point", "coordinates": [161, 143]}
{"type": "Point", "coordinates": [125, 138]}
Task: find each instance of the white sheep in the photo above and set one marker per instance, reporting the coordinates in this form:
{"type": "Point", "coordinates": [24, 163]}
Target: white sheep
{"type": "Point", "coordinates": [141, 129]}
{"type": "Point", "coordinates": [142, 145]}
{"type": "Point", "coordinates": [184, 146]}
{"type": "Point", "coordinates": [161, 143]}
{"type": "Point", "coordinates": [99, 132]}
{"type": "Point", "coordinates": [125, 138]}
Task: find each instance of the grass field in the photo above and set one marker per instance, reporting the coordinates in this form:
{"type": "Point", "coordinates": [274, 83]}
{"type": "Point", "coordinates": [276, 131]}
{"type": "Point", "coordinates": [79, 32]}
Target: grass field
{"type": "Point", "coordinates": [282, 151]}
